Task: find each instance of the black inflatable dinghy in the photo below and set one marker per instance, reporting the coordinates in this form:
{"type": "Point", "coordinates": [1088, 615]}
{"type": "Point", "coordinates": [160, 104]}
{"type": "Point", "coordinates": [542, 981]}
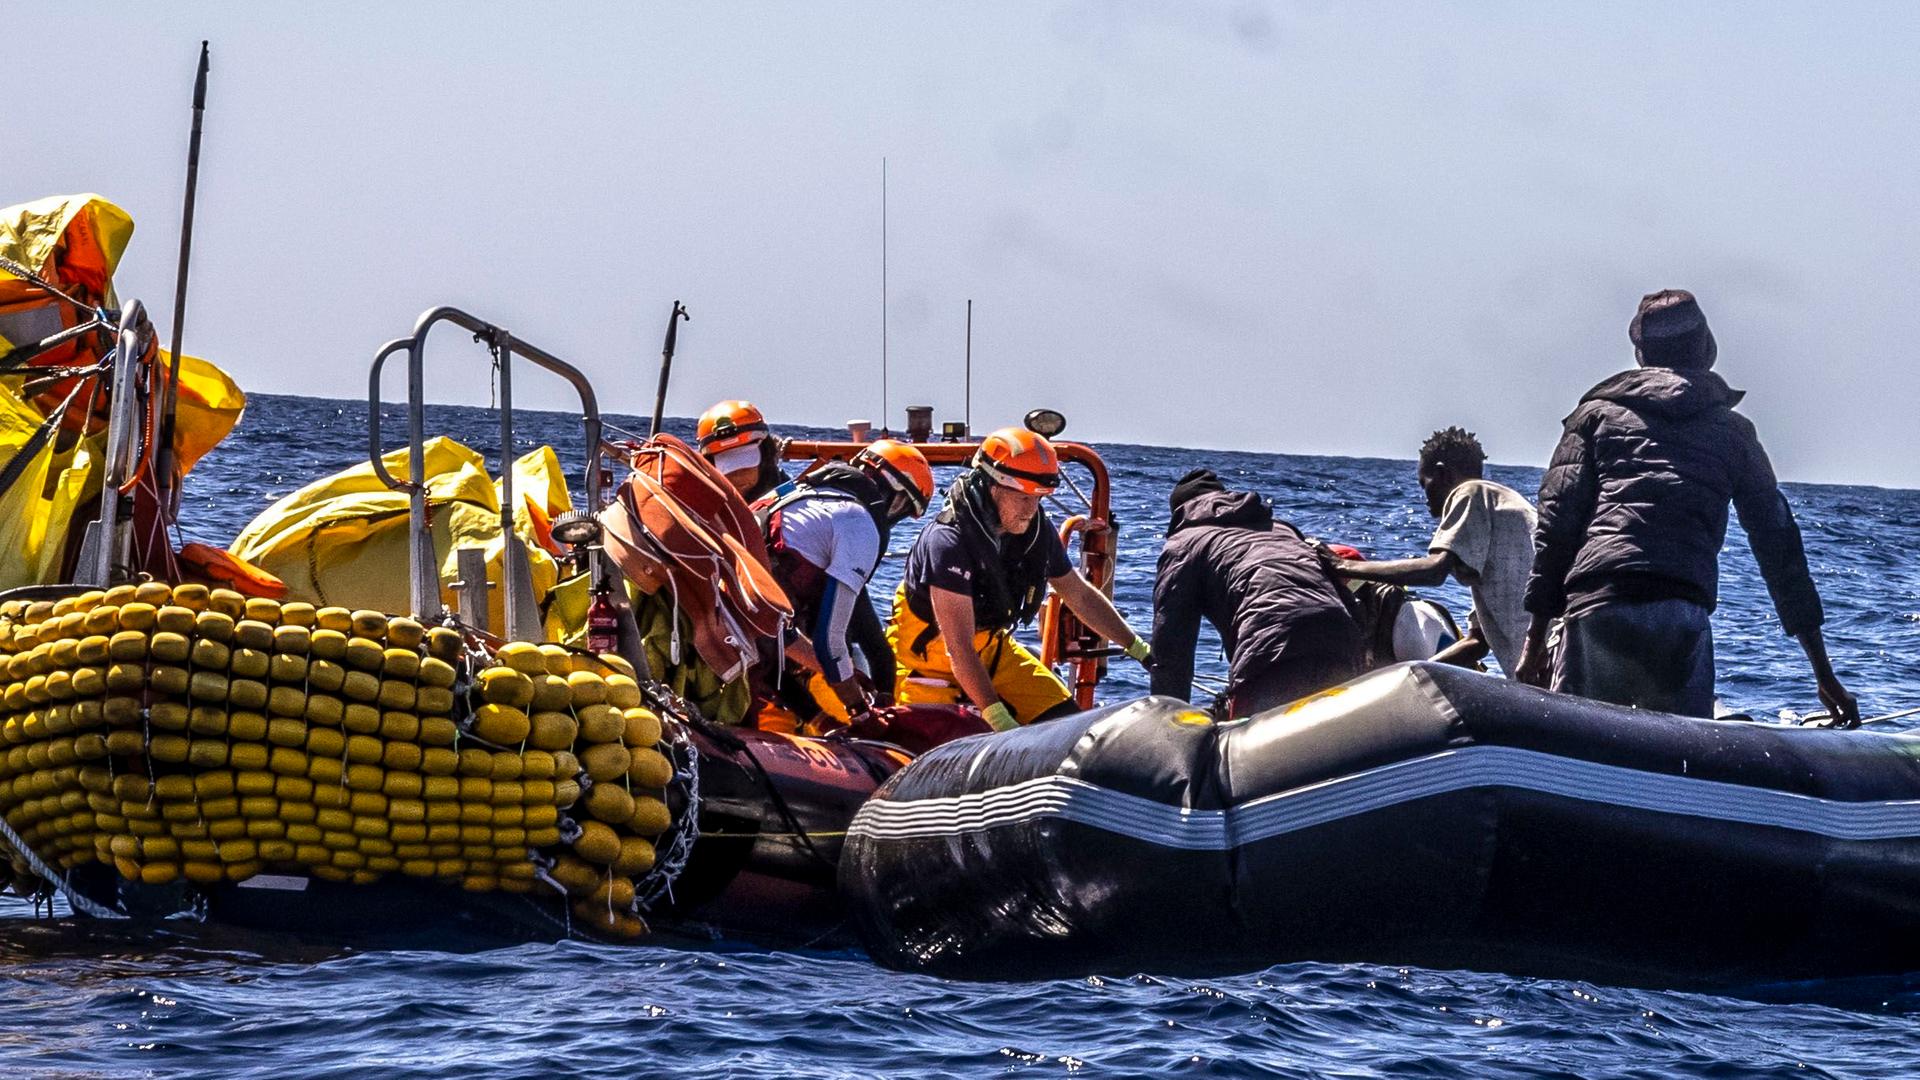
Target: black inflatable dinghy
{"type": "Point", "coordinates": [1421, 814]}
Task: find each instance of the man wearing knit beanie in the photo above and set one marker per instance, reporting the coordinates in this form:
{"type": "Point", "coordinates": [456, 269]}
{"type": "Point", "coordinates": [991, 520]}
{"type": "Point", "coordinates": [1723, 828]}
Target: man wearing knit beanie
{"type": "Point", "coordinates": [1285, 629]}
{"type": "Point", "coordinates": [1632, 517]}
{"type": "Point", "coordinates": [1197, 482]}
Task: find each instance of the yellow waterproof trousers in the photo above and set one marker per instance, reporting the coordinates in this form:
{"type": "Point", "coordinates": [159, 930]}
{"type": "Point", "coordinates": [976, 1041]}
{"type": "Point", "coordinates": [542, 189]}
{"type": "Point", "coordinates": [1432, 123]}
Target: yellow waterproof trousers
{"type": "Point", "coordinates": [1027, 686]}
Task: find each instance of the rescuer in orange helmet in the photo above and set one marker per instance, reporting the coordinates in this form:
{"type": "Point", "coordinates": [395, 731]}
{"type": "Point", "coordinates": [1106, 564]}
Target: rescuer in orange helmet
{"type": "Point", "coordinates": [735, 437]}
{"type": "Point", "coordinates": [825, 533]}
{"type": "Point", "coordinates": [979, 570]}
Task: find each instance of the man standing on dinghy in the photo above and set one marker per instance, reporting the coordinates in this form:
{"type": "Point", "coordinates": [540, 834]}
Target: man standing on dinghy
{"type": "Point", "coordinates": [1485, 540]}
{"type": "Point", "coordinates": [982, 568]}
{"type": "Point", "coordinates": [1281, 619]}
{"type": "Point", "coordinates": [1633, 514]}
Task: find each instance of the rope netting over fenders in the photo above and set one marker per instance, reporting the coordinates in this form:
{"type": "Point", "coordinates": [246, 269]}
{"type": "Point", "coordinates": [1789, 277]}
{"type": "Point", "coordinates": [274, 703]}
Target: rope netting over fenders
{"type": "Point", "coordinates": [187, 734]}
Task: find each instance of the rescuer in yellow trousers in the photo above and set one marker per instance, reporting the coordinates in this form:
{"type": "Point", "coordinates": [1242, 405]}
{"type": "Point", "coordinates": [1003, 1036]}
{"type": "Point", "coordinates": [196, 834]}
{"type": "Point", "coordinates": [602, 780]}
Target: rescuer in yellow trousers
{"type": "Point", "coordinates": [980, 569]}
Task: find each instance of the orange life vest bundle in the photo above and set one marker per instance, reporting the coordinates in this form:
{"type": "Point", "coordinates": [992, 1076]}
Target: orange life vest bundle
{"type": "Point", "coordinates": [676, 524]}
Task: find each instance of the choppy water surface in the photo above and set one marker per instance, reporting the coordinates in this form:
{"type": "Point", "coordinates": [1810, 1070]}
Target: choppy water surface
{"type": "Point", "coordinates": [91, 999]}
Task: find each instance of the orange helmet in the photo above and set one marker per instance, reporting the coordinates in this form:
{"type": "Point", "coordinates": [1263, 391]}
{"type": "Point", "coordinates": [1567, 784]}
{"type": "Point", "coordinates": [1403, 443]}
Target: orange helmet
{"type": "Point", "coordinates": [730, 424]}
{"type": "Point", "coordinates": [1017, 458]}
{"type": "Point", "coordinates": [902, 468]}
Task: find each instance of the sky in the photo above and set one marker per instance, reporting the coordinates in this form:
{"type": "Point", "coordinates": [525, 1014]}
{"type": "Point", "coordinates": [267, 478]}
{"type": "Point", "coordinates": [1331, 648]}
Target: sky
{"type": "Point", "coordinates": [1301, 228]}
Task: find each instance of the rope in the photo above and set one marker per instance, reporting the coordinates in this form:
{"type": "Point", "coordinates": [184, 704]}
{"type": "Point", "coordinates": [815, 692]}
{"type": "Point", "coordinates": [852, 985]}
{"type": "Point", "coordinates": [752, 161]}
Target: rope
{"type": "Point", "coordinates": [79, 901]}
{"type": "Point", "coordinates": [151, 389]}
{"type": "Point", "coordinates": [821, 834]}
{"type": "Point", "coordinates": [1068, 477]}
{"type": "Point", "coordinates": [153, 553]}
{"type": "Point", "coordinates": [37, 281]}
{"type": "Point", "coordinates": [673, 637]}
{"type": "Point", "coordinates": [493, 383]}
{"type": "Point", "coordinates": [618, 430]}
{"type": "Point", "coordinates": [43, 373]}
{"type": "Point", "coordinates": [1823, 717]}
{"type": "Point", "coordinates": [565, 919]}
{"type": "Point", "coordinates": [675, 852]}
{"type": "Point", "coordinates": [313, 564]}
{"type": "Point", "coordinates": [795, 829]}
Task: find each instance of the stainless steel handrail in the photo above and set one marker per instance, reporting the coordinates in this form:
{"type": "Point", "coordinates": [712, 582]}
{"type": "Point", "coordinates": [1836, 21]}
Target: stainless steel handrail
{"type": "Point", "coordinates": [423, 575]}
{"type": "Point", "coordinates": [373, 418]}
{"type": "Point", "coordinates": [113, 552]}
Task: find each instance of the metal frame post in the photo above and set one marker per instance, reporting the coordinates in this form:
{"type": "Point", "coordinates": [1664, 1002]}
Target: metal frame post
{"type": "Point", "coordinates": [522, 615]}
{"type": "Point", "coordinates": [423, 571]}
{"type": "Point", "coordinates": [114, 533]}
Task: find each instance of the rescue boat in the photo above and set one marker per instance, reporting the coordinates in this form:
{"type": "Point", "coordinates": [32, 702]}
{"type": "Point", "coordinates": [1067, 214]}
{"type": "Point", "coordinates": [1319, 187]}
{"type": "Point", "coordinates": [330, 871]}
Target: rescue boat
{"type": "Point", "coordinates": [422, 701]}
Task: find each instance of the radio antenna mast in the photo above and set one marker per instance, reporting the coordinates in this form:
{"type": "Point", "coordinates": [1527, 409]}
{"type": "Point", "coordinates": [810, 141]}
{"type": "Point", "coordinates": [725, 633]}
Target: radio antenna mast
{"type": "Point", "coordinates": [969, 412]}
{"type": "Point", "coordinates": [886, 427]}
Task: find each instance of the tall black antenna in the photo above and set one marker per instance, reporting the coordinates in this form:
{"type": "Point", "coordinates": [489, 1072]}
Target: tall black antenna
{"type": "Point", "coordinates": [170, 398]}
{"type": "Point", "coordinates": [969, 413]}
{"type": "Point", "coordinates": [885, 425]}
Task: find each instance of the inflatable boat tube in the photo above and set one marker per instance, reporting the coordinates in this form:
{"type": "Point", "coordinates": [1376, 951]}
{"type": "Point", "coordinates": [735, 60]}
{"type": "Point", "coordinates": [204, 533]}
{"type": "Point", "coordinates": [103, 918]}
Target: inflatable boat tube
{"type": "Point", "coordinates": [774, 811]}
{"type": "Point", "coordinates": [1421, 814]}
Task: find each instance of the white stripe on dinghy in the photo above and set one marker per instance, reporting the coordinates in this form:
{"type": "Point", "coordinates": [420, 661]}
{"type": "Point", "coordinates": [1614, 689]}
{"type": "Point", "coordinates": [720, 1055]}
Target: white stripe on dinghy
{"type": "Point", "coordinates": [1464, 769]}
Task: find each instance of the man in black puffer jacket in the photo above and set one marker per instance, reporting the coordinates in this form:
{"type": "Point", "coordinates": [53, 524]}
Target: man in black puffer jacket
{"type": "Point", "coordinates": [1280, 616]}
{"type": "Point", "coordinates": [1633, 513]}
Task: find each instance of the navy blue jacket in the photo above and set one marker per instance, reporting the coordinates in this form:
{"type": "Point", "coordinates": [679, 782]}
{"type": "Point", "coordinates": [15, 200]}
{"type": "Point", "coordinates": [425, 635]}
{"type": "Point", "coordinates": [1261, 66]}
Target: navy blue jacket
{"type": "Point", "coordinates": [1634, 503]}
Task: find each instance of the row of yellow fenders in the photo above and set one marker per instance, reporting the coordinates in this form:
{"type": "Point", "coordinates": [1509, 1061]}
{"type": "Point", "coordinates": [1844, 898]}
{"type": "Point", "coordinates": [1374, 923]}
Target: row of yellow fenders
{"type": "Point", "coordinates": [343, 540]}
{"type": "Point", "coordinates": [181, 732]}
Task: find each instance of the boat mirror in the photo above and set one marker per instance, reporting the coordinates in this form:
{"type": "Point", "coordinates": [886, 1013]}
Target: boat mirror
{"type": "Point", "coordinates": [1046, 423]}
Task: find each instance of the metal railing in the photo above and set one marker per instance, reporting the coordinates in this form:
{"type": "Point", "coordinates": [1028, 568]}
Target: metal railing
{"type": "Point", "coordinates": [107, 552]}
{"type": "Point", "coordinates": [423, 575]}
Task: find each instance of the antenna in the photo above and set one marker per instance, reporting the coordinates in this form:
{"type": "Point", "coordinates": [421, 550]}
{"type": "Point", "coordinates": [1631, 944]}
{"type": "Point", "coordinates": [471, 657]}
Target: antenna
{"type": "Point", "coordinates": [969, 412]}
{"type": "Point", "coordinates": [171, 395]}
{"type": "Point", "coordinates": [886, 427]}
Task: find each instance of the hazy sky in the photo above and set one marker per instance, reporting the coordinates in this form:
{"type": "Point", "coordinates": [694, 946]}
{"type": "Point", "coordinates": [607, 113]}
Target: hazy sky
{"type": "Point", "coordinates": [1320, 227]}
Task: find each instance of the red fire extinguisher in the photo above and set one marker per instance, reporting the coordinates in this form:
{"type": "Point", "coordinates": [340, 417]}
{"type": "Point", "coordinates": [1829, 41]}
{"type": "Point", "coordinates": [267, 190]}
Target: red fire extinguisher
{"type": "Point", "coordinates": [603, 623]}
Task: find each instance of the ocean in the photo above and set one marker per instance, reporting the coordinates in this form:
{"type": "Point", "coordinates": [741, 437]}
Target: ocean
{"type": "Point", "coordinates": [95, 999]}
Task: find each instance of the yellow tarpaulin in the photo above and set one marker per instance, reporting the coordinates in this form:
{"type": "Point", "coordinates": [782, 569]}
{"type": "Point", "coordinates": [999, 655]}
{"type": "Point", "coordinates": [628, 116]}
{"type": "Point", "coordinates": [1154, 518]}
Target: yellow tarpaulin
{"type": "Point", "coordinates": [74, 243]}
{"type": "Point", "coordinates": [541, 490]}
{"type": "Point", "coordinates": [343, 540]}
{"type": "Point", "coordinates": [209, 407]}
{"type": "Point", "coordinates": [73, 240]}
{"type": "Point", "coordinates": [36, 511]}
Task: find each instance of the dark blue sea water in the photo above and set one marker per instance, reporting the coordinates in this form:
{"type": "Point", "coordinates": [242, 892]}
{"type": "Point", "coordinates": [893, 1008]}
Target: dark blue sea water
{"type": "Point", "coordinates": [80, 999]}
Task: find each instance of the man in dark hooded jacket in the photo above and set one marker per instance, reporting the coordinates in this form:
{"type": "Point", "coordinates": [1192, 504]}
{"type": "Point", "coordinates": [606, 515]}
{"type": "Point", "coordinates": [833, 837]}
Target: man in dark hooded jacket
{"type": "Point", "coordinates": [1632, 516]}
{"type": "Point", "coordinates": [1280, 616]}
